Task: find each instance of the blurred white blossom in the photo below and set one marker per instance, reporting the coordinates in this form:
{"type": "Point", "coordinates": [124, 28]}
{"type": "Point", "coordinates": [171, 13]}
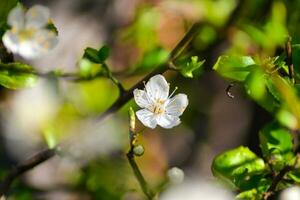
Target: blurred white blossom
{"type": "Point", "coordinates": [25, 115]}
{"type": "Point", "coordinates": [28, 35]}
{"type": "Point", "coordinates": [291, 193]}
{"type": "Point", "coordinates": [195, 190]}
{"type": "Point", "coordinates": [158, 106]}
{"type": "Point", "coordinates": [175, 175]}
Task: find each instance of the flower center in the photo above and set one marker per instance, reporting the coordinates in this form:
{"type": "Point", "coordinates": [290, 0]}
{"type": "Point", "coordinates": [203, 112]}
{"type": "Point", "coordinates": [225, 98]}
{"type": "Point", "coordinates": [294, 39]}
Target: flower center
{"type": "Point", "coordinates": [159, 107]}
{"type": "Point", "coordinates": [26, 34]}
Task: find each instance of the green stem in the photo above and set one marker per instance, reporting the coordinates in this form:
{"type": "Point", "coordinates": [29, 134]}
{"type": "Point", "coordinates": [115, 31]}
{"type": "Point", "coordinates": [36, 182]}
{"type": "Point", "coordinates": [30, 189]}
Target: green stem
{"type": "Point", "coordinates": [114, 79]}
{"type": "Point", "coordinates": [139, 176]}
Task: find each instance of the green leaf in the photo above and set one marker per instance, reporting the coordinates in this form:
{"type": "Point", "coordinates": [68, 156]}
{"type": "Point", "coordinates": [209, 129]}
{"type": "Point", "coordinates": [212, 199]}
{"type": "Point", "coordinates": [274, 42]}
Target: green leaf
{"type": "Point", "coordinates": [295, 175]}
{"type": "Point", "coordinates": [5, 7]}
{"type": "Point", "coordinates": [190, 67]}
{"type": "Point", "coordinates": [287, 119]}
{"type": "Point", "coordinates": [103, 53]}
{"type": "Point", "coordinates": [152, 59]}
{"type": "Point", "coordinates": [235, 68]}
{"type": "Point", "coordinates": [17, 76]}
{"type": "Point", "coordinates": [248, 195]}
{"type": "Point", "coordinates": [91, 54]}
{"type": "Point", "coordinates": [96, 56]}
{"type": "Point", "coordinates": [51, 26]}
{"type": "Point", "coordinates": [272, 89]}
{"type": "Point", "coordinates": [255, 84]}
{"type": "Point", "coordinates": [255, 193]}
{"type": "Point", "coordinates": [296, 59]}
{"type": "Point", "coordinates": [239, 167]}
{"type": "Point", "coordinates": [277, 145]}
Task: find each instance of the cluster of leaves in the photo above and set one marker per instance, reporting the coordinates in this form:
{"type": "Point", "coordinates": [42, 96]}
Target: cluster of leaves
{"type": "Point", "coordinates": [270, 85]}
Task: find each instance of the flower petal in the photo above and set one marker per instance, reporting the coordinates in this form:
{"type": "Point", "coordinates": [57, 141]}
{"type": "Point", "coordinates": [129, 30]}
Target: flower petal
{"type": "Point", "coordinates": [168, 121]}
{"type": "Point", "coordinates": [141, 99]}
{"type": "Point", "coordinates": [46, 39]}
{"type": "Point", "coordinates": [29, 49]}
{"type": "Point", "coordinates": [41, 43]}
{"type": "Point", "coordinates": [10, 41]}
{"type": "Point", "coordinates": [16, 18]}
{"type": "Point", "coordinates": [147, 118]}
{"type": "Point", "coordinates": [176, 105]}
{"type": "Point", "coordinates": [157, 88]}
{"type": "Point", "coordinates": [37, 17]}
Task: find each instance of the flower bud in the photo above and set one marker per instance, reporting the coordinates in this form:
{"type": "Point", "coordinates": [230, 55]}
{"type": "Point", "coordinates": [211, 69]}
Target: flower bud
{"type": "Point", "coordinates": [175, 175]}
{"type": "Point", "coordinates": [138, 150]}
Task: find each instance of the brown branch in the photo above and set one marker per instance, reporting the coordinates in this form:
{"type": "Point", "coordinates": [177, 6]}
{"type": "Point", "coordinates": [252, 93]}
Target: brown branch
{"type": "Point", "coordinates": [279, 177]}
{"type": "Point", "coordinates": [24, 167]}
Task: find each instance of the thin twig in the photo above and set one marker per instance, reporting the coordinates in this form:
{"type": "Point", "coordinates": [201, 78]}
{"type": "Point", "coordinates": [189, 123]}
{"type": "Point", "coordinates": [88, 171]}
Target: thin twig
{"type": "Point", "coordinates": [289, 60]}
{"type": "Point", "coordinates": [131, 157]}
{"type": "Point", "coordinates": [24, 167]}
{"type": "Point", "coordinates": [276, 181]}
{"type": "Point", "coordinates": [137, 172]}
{"type": "Point", "coordinates": [279, 177]}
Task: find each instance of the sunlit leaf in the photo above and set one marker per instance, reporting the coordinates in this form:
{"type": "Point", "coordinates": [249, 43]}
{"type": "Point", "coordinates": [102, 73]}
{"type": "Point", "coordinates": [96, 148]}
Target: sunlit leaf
{"type": "Point", "coordinates": [255, 193]}
{"type": "Point", "coordinates": [240, 167]}
{"type": "Point", "coordinates": [276, 144]}
{"type": "Point", "coordinates": [152, 59]}
{"type": "Point", "coordinates": [235, 68]}
{"type": "Point", "coordinates": [287, 119]}
{"type": "Point", "coordinates": [255, 84]}
{"type": "Point", "coordinates": [17, 75]}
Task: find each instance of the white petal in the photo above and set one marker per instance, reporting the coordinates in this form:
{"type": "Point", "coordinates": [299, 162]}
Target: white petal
{"type": "Point", "coordinates": [40, 44]}
{"type": "Point", "coordinates": [29, 49]}
{"type": "Point", "coordinates": [16, 17]}
{"type": "Point", "coordinates": [176, 105]}
{"type": "Point", "coordinates": [10, 41]}
{"type": "Point", "coordinates": [46, 39]}
{"type": "Point", "coordinates": [141, 99]}
{"type": "Point", "coordinates": [168, 121]}
{"type": "Point", "coordinates": [37, 17]}
{"type": "Point", "coordinates": [147, 118]}
{"type": "Point", "coordinates": [157, 88]}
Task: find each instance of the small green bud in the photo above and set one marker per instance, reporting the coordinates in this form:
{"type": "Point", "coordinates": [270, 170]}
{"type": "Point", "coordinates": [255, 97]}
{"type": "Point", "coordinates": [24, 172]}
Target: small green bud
{"type": "Point", "coordinates": [189, 69]}
{"type": "Point", "coordinates": [138, 150]}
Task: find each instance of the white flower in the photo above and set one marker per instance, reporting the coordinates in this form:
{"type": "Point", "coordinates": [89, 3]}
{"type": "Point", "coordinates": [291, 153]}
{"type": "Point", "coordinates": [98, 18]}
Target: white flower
{"type": "Point", "coordinates": [291, 193]}
{"type": "Point", "coordinates": [28, 35]}
{"type": "Point", "coordinates": [158, 106]}
{"type": "Point", "coordinates": [196, 190]}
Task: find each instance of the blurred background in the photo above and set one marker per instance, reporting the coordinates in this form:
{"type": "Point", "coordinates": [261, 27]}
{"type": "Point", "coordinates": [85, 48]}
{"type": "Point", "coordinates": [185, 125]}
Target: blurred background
{"type": "Point", "coordinates": [140, 33]}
